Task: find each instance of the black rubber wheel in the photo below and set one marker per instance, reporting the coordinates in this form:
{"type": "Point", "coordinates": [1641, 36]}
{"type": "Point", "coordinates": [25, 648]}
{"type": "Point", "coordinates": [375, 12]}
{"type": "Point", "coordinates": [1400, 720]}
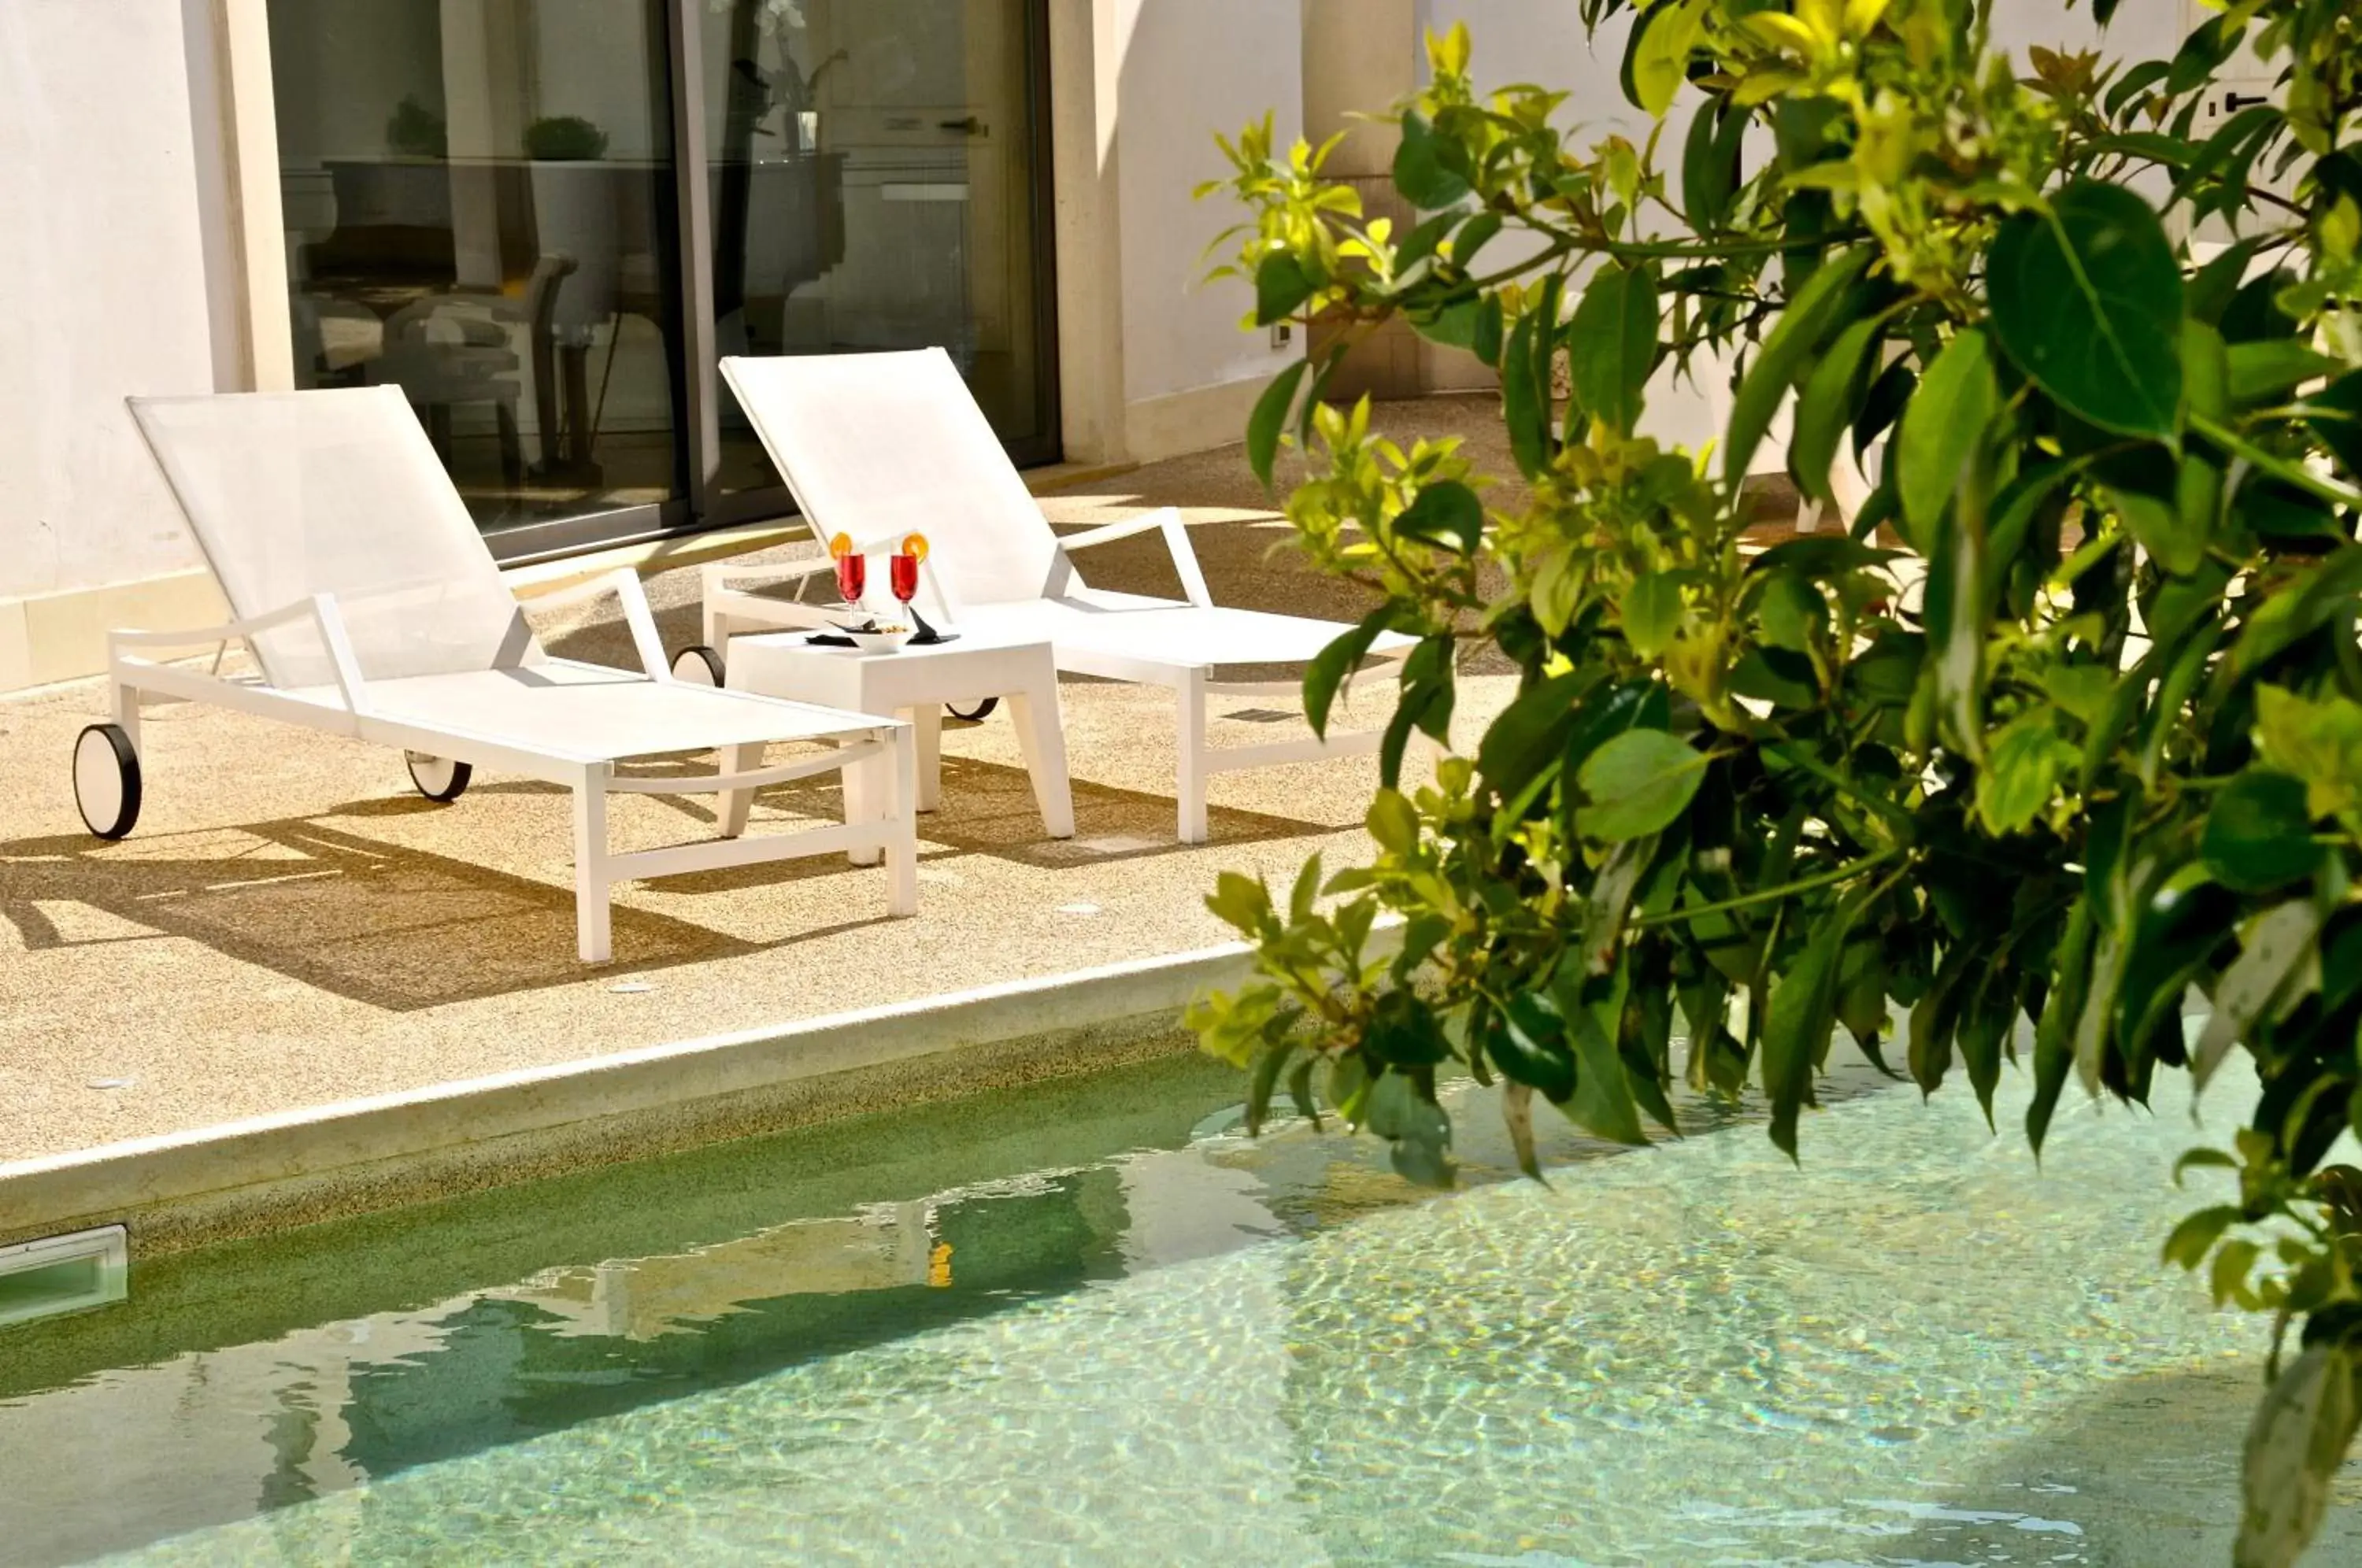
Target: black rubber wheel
{"type": "Point", "coordinates": [438, 778]}
{"type": "Point", "coordinates": [697, 666]}
{"type": "Point", "coordinates": [107, 780]}
{"type": "Point", "coordinates": [980, 711]}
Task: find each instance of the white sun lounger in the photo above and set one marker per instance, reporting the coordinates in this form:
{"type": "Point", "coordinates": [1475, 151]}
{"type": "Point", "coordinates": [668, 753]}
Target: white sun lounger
{"type": "Point", "coordinates": [878, 446]}
{"type": "Point", "coordinates": [364, 589]}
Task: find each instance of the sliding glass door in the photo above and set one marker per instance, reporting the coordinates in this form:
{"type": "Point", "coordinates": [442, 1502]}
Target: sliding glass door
{"type": "Point", "coordinates": [485, 207]}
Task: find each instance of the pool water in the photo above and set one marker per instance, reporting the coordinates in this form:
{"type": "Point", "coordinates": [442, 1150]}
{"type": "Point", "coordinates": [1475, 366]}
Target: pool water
{"type": "Point", "coordinates": [1090, 1323]}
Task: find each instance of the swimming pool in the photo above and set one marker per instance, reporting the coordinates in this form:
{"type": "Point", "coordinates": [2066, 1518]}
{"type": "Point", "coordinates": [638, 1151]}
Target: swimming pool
{"type": "Point", "coordinates": [1089, 1323]}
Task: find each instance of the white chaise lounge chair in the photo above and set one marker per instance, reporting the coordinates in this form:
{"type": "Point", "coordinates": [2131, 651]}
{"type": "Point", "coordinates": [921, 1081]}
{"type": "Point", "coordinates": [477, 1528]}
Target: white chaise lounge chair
{"type": "Point", "coordinates": [361, 583]}
{"type": "Point", "coordinates": [877, 445]}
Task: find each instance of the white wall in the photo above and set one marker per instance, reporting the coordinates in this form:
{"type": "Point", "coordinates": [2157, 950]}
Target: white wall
{"type": "Point", "coordinates": [106, 269]}
{"type": "Point", "coordinates": [1191, 68]}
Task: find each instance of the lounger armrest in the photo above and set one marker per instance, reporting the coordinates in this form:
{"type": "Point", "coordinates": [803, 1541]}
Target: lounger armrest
{"type": "Point", "coordinates": [1166, 519]}
{"type": "Point", "coordinates": [320, 609]}
{"type": "Point", "coordinates": [624, 584]}
{"type": "Point", "coordinates": [723, 575]}
{"type": "Point", "coordinates": [227, 631]}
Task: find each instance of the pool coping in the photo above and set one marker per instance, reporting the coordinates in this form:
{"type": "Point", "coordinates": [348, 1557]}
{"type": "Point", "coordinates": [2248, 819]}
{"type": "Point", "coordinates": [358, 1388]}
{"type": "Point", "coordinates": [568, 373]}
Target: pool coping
{"type": "Point", "coordinates": [194, 1187]}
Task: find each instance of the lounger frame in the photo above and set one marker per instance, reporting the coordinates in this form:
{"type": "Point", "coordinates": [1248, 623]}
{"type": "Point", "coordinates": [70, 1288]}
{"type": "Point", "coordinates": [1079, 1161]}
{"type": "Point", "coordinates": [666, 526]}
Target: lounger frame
{"type": "Point", "coordinates": [134, 677]}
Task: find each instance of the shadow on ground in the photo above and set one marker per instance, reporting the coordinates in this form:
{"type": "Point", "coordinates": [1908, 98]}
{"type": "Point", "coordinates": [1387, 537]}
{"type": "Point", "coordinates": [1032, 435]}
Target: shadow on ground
{"type": "Point", "coordinates": [402, 928]}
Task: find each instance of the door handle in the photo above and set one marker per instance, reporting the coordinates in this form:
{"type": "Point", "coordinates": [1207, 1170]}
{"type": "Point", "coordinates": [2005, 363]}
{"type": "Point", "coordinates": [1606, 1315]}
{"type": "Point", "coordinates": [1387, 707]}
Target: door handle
{"type": "Point", "coordinates": [970, 125]}
{"type": "Point", "coordinates": [2234, 101]}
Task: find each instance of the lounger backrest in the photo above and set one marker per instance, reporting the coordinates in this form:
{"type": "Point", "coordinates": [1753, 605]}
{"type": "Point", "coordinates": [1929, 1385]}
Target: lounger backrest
{"type": "Point", "coordinates": [877, 445]}
{"type": "Point", "coordinates": [337, 491]}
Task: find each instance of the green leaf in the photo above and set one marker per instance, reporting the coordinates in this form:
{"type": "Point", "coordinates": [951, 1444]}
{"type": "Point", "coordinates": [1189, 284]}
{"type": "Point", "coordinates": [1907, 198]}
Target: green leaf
{"type": "Point", "coordinates": [1652, 613]}
{"type": "Point", "coordinates": [1300, 1090]}
{"type": "Point", "coordinates": [1602, 1104]}
{"type": "Point", "coordinates": [1824, 409]}
{"type": "Point", "coordinates": [1612, 344]}
{"type": "Point", "coordinates": [1240, 901]}
{"type": "Point", "coordinates": [2298, 1440]}
{"type": "Point", "coordinates": [1530, 733]}
{"type": "Point", "coordinates": [1303, 890]}
{"type": "Point", "coordinates": [1402, 1109]}
{"type": "Point", "coordinates": [1782, 357]}
{"type": "Point", "coordinates": [2259, 833]}
{"type": "Point", "coordinates": [1656, 62]}
{"type": "Point", "coordinates": [1638, 783]}
{"type": "Point", "coordinates": [1270, 417]}
{"type": "Point", "coordinates": [2211, 287]}
{"type": "Point", "coordinates": [2202, 53]}
{"type": "Point", "coordinates": [2335, 417]}
{"type": "Point", "coordinates": [1447, 513]}
{"type": "Point", "coordinates": [2270, 369]}
{"type": "Point", "coordinates": [2299, 606]}
{"type": "Point", "coordinates": [2054, 1032]}
{"type": "Point", "coordinates": [1402, 1032]}
{"type": "Point", "coordinates": [1936, 1021]}
{"type": "Point", "coordinates": [2139, 78]}
{"type": "Point", "coordinates": [1528, 1043]}
{"type": "Point", "coordinates": [2321, 743]}
{"type": "Point", "coordinates": [1956, 619]}
{"type": "Point", "coordinates": [1984, 1026]}
{"type": "Point", "coordinates": [2087, 301]}
{"type": "Point", "coordinates": [1526, 415]}
{"type": "Point", "coordinates": [2195, 1237]}
{"type": "Point", "coordinates": [1392, 822]}
{"type": "Point", "coordinates": [2023, 769]}
{"type": "Point", "coordinates": [1472, 236]}
{"type": "Point", "coordinates": [1485, 340]}
{"type": "Point", "coordinates": [1798, 1025]}
{"type": "Point", "coordinates": [1790, 611]}
{"type": "Point", "coordinates": [1710, 162]}
{"type": "Point", "coordinates": [1263, 1080]}
{"type": "Point", "coordinates": [1431, 171]}
{"type": "Point", "coordinates": [1326, 672]}
{"type": "Point", "coordinates": [2161, 528]}
{"type": "Point", "coordinates": [1941, 426]}
{"type": "Point", "coordinates": [1456, 323]}
{"type": "Point", "coordinates": [1824, 556]}
{"type": "Point", "coordinates": [2272, 952]}
{"type": "Point", "coordinates": [1281, 285]}
{"type": "Point", "coordinates": [2080, 690]}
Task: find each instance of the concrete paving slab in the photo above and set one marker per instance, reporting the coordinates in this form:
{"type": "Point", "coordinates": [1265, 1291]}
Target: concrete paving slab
{"type": "Point", "coordinates": [291, 927]}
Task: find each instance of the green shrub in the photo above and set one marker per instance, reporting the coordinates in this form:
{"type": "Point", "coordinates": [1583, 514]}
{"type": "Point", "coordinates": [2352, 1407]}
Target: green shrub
{"type": "Point", "coordinates": [2070, 723]}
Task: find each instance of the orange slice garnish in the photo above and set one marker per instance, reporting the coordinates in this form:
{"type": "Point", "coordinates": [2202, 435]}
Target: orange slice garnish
{"type": "Point", "coordinates": [915, 545]}
{"type": "Point", "coordinates": [839, 546]}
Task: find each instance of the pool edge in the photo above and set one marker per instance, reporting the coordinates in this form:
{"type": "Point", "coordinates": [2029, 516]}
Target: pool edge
{"type": "Point", "coordinates": [186, 1189]}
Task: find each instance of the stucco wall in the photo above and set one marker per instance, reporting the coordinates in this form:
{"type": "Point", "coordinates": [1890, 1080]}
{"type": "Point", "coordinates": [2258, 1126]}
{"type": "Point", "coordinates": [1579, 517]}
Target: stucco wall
{"type": "Point", "coordinates": [106, 265]}
{"type": "Point", "coordinates": [1190, 68]}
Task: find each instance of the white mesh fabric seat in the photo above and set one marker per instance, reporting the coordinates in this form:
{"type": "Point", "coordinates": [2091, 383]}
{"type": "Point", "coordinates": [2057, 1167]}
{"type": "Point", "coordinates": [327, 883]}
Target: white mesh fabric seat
{"type": "Point", "coordinates": [591, 714]}
{"type": "Point", "coordinates": [360, 582]}
{"type": "Point", "coordinates": [877, 445]}
{"type": "Point", "coordinates": [337, 491]}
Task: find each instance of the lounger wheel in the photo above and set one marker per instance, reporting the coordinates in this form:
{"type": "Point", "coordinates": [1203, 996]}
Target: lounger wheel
{"type": "Point", "coordinates": [107, 780]}
{"type": "Point", "coordinates": [981, 711]}
{"type": "Point", "coordinates": [697, 666]}
{"type": "Point", "coordinates": [437, 778]}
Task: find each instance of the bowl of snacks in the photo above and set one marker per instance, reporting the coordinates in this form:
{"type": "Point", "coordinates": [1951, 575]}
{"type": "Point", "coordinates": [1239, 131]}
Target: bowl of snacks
{"type": "Point", "coordinates": [880, 638]}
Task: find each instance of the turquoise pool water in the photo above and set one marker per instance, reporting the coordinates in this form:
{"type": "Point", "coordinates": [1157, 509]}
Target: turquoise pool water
{"type": "Point", "coordinates": [1088, 1323]}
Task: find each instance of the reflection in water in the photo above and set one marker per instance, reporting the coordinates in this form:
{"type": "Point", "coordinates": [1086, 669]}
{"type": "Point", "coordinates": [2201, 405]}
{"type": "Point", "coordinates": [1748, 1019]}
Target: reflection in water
{"type": "Point", "coordinates": [1053, 1324]}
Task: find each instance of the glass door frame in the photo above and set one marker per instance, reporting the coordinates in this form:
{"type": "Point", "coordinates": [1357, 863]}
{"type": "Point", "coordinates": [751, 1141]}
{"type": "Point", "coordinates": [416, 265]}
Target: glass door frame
{"type": "Point", "coordinates": [702, 504]}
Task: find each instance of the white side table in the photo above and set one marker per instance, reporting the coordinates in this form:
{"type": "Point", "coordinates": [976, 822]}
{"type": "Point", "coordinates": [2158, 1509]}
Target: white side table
{"type": "Point", "coordinates": [914, 683]}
